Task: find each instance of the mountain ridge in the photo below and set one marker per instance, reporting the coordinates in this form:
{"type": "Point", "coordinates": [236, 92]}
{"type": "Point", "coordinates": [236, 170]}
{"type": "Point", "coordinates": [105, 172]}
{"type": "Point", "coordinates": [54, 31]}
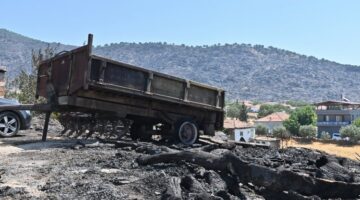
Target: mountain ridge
{"type": "Point", "coordinates": [246, 71]}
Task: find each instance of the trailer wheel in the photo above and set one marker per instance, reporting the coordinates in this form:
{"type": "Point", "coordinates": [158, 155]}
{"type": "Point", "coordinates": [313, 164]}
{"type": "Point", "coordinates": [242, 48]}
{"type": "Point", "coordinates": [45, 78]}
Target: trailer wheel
{"type": "Point", "coordinates": [187, 132]}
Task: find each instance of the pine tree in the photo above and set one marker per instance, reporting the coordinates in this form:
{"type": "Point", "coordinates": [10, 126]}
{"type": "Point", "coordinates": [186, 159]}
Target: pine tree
{"type": "Point", "coordinates": [243, 112]}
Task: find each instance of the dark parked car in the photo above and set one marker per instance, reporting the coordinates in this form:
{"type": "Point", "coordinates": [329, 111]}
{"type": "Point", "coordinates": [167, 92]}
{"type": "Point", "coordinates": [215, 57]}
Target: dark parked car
{"type": "Point", "coordinates": [11, 121]}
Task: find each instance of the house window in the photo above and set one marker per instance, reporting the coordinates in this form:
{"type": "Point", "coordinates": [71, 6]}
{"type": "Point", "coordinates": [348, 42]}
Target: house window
{"type": "Point", "coordinates": [339, 118]}
{"type": "Point", "coordinates": [327, 118]}
{"type": "Point", "coordinates": [241, 133]}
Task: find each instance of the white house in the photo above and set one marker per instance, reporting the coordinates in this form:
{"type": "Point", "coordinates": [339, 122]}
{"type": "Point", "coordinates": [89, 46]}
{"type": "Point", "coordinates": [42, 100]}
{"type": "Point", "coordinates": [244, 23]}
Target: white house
{"type": "Point", "coordinates": [238, 130]}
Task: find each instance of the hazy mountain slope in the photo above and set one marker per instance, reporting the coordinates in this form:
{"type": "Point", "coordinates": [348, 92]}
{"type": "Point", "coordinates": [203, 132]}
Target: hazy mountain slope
{"type": "Point", "coordinates": [15, 50]}
{"type": "Point", "coordinates": [245, 71]}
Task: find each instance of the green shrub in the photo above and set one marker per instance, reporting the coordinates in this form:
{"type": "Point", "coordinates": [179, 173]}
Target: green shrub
{"type": "Point", "coordinates": [267, 109]}
{"type": "Point", "coordinates": [325, 135]}
{"type": "Point", "coordinates": [308, 131]}
{"type": "Point", "coordinates": [351, 131]}
{"type": "Point", "coordinates": [292, 125]}
{"type": "Point", "coordinates": [243, 115]}
{"type": "Point", "coordinates": [356, 122]}
{"type": "Point", "coordinates": [233, 110]}
{"type": "Point", "coordinates": [281, 132]}
{"type": "Point", "coordinates": [261, 130]}
{"type": "Point", "coordinates": [301, 116]}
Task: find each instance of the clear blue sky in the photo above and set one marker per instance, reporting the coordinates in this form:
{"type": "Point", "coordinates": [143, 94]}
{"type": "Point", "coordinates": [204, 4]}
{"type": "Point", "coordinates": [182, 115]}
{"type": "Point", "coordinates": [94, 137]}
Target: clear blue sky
{"type": "Point", "coordinates": [323, 28]}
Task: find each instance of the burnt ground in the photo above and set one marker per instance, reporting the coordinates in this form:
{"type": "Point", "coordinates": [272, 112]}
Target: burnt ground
{"type": "Point", "coordinates": [63, 168]}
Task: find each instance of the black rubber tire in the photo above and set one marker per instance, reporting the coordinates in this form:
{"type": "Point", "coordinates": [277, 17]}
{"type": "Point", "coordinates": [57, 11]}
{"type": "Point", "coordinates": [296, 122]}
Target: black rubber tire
{"type": "Point", "coordinates": [187, 138]}
{"type": "Point", "coordinates": [9, 124]}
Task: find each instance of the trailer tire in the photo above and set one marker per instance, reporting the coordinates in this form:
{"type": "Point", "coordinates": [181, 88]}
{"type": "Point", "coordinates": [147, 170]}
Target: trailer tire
{"type": "Point", "coordinates": [187, 132]}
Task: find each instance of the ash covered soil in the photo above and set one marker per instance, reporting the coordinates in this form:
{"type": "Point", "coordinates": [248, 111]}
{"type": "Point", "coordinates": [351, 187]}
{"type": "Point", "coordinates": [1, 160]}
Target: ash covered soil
{"type": "Point", "coordinates": [64, 168]}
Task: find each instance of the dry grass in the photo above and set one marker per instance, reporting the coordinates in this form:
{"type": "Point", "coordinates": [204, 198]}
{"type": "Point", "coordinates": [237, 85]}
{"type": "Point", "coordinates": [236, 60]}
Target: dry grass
{"type": "Point", "coordinates": [335, 149]}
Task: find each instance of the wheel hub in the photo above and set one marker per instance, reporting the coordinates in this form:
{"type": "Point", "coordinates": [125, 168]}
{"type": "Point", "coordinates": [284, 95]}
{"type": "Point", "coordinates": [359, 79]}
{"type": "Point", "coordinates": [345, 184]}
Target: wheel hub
{"type": "Point", "coordinates": [188, 133]}
{"type": "Point", "coordinates": [8, 125]}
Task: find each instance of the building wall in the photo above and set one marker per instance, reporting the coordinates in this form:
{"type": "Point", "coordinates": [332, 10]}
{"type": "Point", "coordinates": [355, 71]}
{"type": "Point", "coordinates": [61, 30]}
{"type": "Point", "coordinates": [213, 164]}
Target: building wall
{"type": "Point", "coordinates": [245, 133]}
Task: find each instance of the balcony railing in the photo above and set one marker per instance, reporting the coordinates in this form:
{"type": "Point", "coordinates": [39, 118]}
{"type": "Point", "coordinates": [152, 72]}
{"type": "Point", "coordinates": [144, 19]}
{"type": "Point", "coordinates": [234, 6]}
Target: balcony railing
{"type": "Point", "coordinates": [334, 112]}
{"type": "Point", "coordinates": [333, 123]}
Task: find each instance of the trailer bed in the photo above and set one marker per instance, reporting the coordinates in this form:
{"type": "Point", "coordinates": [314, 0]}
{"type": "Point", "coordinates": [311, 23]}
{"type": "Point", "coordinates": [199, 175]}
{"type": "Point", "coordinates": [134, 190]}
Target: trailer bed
{"type": "Point", "coordinates": [77, 79]}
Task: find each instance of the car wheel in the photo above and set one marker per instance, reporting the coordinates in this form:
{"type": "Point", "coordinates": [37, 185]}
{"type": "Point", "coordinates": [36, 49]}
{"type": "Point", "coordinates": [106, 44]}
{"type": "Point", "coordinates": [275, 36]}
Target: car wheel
{"type": "Point", "coordinates": [9, 124]}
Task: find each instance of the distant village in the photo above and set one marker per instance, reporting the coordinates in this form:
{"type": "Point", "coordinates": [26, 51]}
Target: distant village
{"type": "Point", "coordinates": [248, 121]}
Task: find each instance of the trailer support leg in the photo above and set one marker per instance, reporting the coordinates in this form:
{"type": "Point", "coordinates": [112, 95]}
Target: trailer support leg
{"type": "Point", "coordinates": [46, 126]}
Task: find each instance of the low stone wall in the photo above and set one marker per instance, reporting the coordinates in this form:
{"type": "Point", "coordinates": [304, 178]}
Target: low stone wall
{"type": "Point", "coordinates": [272, 142]}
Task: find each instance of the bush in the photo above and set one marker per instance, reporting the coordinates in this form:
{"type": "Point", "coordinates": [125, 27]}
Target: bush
{"type": "Point", "coordinates": [233, 110]}
{"type": "Point", "coordinates": [281, 132]}
{"type": "Point", "coordinates": [351, 131]}
{"type": "Point", "coordinates": [261, 130]}
{"type": "Point", "coordinates": [306, 115]}
{"type": "Point", "coordinates": [356, 122]}
{"type": "Point", "coordinates": [308, 131]}
{"type": "Point", "coordinates": [243, 113]}
{"type": "Point", "coordinates": [325, 135]}
{"type": "Point", "coordinates": [267, 109]}
{"type": "Point", "coordinates": [292, 126]}
{"type": "Point", "coordinates": [301, 116]}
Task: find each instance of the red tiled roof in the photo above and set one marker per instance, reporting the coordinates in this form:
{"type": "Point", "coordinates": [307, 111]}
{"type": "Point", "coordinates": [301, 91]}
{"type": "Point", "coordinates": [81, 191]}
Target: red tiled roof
{"type": "Point", "coordinates": [274, 117]}
{"type": "Point", "coordinates": [235, 123]}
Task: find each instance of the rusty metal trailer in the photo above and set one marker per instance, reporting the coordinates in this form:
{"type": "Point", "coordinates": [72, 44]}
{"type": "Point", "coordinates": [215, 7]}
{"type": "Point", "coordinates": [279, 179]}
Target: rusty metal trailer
{"type": "Point", "coordinates": [79, 81]}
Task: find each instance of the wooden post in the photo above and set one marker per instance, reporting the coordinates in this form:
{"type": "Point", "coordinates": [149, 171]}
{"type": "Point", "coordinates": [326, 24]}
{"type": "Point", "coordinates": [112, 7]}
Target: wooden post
{"type": "Point", "coordinates": [46, 126]}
